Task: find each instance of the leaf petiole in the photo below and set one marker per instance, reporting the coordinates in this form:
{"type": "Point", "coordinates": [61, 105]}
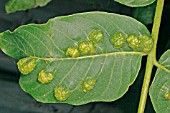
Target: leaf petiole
{"type": "Point", "coordinates": [158, 65]}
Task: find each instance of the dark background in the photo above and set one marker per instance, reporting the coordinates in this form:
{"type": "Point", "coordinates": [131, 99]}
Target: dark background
{"type": "Point", "coordinates": [14, 100]}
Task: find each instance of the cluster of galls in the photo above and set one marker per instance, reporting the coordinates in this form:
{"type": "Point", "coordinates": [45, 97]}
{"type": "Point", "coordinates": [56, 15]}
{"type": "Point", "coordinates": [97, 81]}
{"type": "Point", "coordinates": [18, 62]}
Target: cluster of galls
{"type": "Point", "coordinates": [61, 93]}
{"type": "Point", "coordinates": [27, 65]}
{"type": "Point", "coordinates": [142, 43]}
{"type": "Point", "coordinates": [137, 43]}
{"type": "Point", "coordinates": [86, 47]}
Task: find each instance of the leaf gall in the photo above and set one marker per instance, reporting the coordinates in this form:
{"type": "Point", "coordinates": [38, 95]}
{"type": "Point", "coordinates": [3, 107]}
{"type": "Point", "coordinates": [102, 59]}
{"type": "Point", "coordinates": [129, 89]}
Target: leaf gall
{"type": "Point", "coordinates": [72, 52]}
{"type": "Point", "coordinates": [44, 77]}
{"type": "Point", "coordinates": [26, 65]}
{"type": "Point", "coordinates": [86, 47]}
{"type": "Point", "coordinates": [134, 42]}
{"type": "Point", "coordinates": [61, 93]}
{"type": "Point", "coordinates": [88, 84]}
{"type": "Point", "coordinates": [118, 40]}
{"type": "Point", "coordinates": [96, 36]}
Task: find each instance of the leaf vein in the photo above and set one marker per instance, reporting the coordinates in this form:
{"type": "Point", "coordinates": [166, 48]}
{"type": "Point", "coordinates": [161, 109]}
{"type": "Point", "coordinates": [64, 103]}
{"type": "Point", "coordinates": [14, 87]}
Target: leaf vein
{"type": "Point", "coordinates": [111, 76]}
{"type": "Point", "coordinates": [39, 41]}
{"type": "Point", "coordinates": [68, 72]}
{"type": "Point", "coordinates": [50, 39]}
{"type": "Point", "coordinates": [27, 43]}
{"type": "Point", "coordinates": [63, 34]}
{"type": "Point", "coordinates": [16, 46]}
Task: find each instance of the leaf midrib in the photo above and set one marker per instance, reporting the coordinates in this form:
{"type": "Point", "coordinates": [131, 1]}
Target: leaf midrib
{"type": "Point", "coordinates": [91, 56]}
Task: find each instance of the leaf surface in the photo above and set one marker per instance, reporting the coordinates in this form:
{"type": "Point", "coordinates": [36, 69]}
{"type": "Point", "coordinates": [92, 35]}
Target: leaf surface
{"type": "Point", "coordinates": [135, 3]}
{"type": "Point", "coordinates": [17, 5]}
{"type": "Point", "coordinates": [161, 86]}
{"type": "Point", "coordinates": [145, 14]}
{"type": "Point", "coordinates": [112, 69]}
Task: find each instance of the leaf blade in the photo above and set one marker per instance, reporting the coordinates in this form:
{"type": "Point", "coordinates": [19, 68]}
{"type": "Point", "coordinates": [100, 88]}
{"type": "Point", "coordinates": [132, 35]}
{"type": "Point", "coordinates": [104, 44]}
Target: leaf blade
{"type": "Point", "coordinates": [135, 3]}
{"type": "Point", "coordinates": [112, 69]}
{"type": "Point", "coordinates": [55, 29]}
{"type": "Point", "coordinates": [17, 5]}
{"type": "Point", "coordinates": [145, 14]}
{"type": "Point", "coordinates": [80, 69]}
{"type": "Point", "coordinates": [160, 86]}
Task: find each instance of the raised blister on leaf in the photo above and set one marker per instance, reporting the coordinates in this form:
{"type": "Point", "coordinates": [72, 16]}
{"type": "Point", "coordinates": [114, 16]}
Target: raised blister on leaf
{"type": "Point", "coordinates": [61, 93]}
{"type": "Point", "coordinates": [165, 90]}
{"type": "Point", "coordinates": [96, 36]}
{"type": "Point", "coordinates": [147, 43]}
{"type": "Point", "coordinates": [45, 77]}
{"type": "Point", "coordinates": [26, 65]}
{"type": "Point", "coordinates": [86, 47]}
{"type": "Point", "coordinates": [88, 84]}
{"type": "Point", "coordinates": [72, 52]}
{"type": "Point", "coordinates": [134, 41]}
{"type": "Point", "coordinates": [167, 96]}
{"type": "Point", "coordinates": [118, 40]}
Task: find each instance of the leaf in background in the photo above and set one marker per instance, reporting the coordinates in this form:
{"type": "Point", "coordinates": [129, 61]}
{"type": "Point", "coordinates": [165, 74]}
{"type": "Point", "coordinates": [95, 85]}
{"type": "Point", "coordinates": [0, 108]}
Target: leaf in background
{"type": "Point", "coordinates": [135, 3]}
{"type": "Point", "coordinates": [160, 88]}
{"type": "Point", "coordinates": [17, 5]}
{"type": "Point", "coordinates": [105, 75]}
{"type": "Point", "coordinates": [42, 2]}
{"type": "Point", "coordinates": [145, 14]}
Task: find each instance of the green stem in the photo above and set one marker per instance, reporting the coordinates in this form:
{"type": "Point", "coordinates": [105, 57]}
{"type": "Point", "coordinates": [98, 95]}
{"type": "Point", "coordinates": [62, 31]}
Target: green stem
{"type": "Point", "coordinates": [161, 67]}
{"type": "Point", "coordinates": [151, 59]}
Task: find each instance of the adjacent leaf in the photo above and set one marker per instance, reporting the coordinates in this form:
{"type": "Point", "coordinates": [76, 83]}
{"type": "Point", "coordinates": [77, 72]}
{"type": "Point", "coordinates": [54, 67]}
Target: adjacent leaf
{"type": "Point", "coordinates": [99, 72]}
{"type": "Point", "coordinates": [145, 14]}
{"type": "Point", "coordinates": [135, 3]}
{"type": "Point", "coordinates": [17, 5]}
{"type": "Point", "coordinates": [160, 88]}
{"type": "Point", "coordinates": [42, 2]}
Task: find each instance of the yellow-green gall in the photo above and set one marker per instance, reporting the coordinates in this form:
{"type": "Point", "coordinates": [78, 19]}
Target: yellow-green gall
{"type": "Point", "coordinates": [72, 52]}
{"type": "Point", "coordinates": [86, 47]}
{"type": "Point", "coordinates": [96, 36]}
{"type": "Point", "coordinates": [45, 77]}
{"type": "Point", "coordinates": [88, 84]}
{"type": "Point", "coordinates": [142, 43]}
{"type": "Point", "coordinates": [61, 93]}
{"type": "Point", "coordinates": [26, 65]}
{"type": "Point", "coordinates": [134, 41]}
{"type": "Point", "coordinates": [118, 40]}
{"type": "Point", "coordinates": [147, 43]}
{"type": "Point", "coordinates": [167, 96]}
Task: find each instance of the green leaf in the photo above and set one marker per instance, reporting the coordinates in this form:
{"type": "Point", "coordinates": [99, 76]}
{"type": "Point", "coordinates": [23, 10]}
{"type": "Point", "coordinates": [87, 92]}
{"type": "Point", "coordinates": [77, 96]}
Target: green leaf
{"type": "Point", "coordinates": [145, 14]}
{"type": "Point", "coordinates": [135, 3]}
{"type": "Point", "coordinates": [160, 88]}
{"type": "Point", "coordinates": [42, 2]}
{"type": "Point", "coordinates": [103, 75]}
{"type": "Point", "coordinates": [17, 5]}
